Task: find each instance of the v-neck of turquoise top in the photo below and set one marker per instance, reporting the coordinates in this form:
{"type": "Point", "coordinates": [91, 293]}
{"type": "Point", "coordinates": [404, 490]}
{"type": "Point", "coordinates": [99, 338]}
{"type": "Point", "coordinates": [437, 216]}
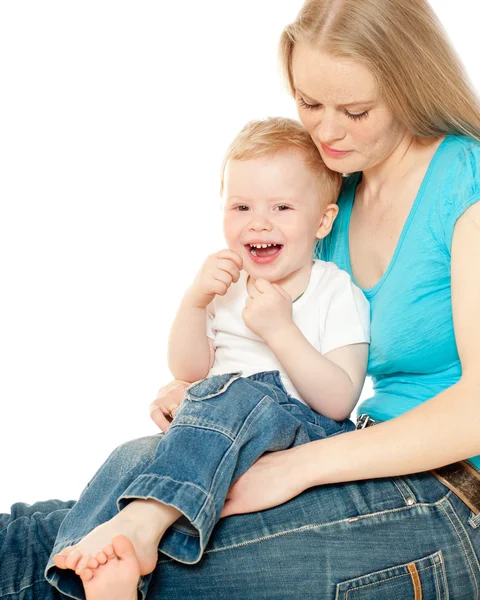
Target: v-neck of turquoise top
{"type": "Point", "coordinates": [413, 353]}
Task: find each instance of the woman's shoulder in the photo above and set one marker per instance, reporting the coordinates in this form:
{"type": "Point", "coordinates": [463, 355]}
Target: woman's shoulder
{"type": "Point", "coordinates": [454, 183]}
{"type": "Point", "coordinates": [460, 158]}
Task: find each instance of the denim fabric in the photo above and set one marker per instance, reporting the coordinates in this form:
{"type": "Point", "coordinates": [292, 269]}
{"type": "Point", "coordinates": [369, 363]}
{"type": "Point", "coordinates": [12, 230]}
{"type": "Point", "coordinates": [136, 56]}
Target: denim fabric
{"type": "Point", "coordinates": [224, 425]}
{"type": "Point", "coordinates": [369, 540]}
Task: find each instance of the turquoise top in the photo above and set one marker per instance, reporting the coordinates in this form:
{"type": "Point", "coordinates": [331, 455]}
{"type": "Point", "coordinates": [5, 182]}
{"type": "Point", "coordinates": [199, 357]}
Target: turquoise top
{"type": "Point", "coordinates": [413, 354]}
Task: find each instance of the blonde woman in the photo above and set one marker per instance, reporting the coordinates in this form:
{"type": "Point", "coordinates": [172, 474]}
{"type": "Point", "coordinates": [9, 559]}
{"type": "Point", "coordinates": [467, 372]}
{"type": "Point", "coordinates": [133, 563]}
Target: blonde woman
{"type": "Point", "coordinates": [390, 510]}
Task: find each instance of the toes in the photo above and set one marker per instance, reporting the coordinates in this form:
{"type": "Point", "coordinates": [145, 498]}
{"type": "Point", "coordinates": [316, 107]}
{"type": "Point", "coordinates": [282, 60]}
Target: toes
{"type": "Point", "coordinates": [92, 563]}
{"type": "Point", "coordinates": [101, 558]}
{"type": "Point", "coordinates": [60, 559]}
{"type": "Point", "coordinates": [83, 563]}
{"type": "Point", "coordinates": [123, 547]}
{"type": "Point", "coordinates": [109, 551]}
{"type": "Point", "coordinates": [72, 559]}
{"type": "Point", "coordinates": [86, 575]}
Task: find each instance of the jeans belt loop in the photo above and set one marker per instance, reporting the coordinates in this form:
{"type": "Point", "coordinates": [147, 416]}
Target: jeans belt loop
{"type": "Point", "coordinates": [460, 477]}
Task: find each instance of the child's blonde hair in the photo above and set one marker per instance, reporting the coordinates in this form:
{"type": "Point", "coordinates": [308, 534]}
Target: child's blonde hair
{"type": "Point", "coordinates": [404, 46]}
{"type": "Point", "coordinates": [268, 136]}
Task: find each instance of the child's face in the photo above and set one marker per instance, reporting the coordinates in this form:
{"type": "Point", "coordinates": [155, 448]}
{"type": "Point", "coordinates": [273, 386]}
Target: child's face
{"type": "Point", "coordinates": [272, 200]}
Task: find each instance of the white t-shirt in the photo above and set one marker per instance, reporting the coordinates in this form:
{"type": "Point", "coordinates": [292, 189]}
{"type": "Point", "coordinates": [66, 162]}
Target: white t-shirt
{"type": "Point", "coordinates": [332, 312]}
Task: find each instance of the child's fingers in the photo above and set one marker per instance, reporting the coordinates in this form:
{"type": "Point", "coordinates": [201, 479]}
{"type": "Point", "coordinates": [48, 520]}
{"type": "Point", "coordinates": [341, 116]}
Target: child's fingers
{"type": "Point", "coordinates": [228, 266]}
{"type": "Point", "coordinates": [231, 255]}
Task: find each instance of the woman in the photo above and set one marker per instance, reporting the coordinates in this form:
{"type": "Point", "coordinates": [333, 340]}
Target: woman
{"type": "Point", "coordinates": [383, 96]}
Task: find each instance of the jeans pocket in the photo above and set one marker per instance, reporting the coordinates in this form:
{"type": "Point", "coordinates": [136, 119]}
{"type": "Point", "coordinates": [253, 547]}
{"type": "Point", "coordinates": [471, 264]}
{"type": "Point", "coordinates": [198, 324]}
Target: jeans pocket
{"type": "Point", "coordinates": [210, 386]}
{"type": "Point", "coordinates": [420, 579]}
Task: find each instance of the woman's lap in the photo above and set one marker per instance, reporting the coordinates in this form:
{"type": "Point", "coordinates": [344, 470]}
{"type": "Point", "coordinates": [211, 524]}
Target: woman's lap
{"type": "Point", "coordinates": [389, 532]}
{"type": "Point", "coordinates": [377, 538]}
{"type": "Point", "coordinates": [307, 547]}
{"type": "Point", "coordinates": [27, 536]}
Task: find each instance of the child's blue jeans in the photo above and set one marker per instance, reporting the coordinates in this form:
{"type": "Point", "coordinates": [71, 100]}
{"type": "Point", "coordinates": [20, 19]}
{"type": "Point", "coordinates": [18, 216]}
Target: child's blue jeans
{"type": "Point", "coordinates": [224, 425]}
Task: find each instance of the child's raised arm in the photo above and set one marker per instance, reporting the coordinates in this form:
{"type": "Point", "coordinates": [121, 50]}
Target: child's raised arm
{"type": "Point", "coordinates": [330, 383]}
{"type": "Point", "coordinates": [190, 351]}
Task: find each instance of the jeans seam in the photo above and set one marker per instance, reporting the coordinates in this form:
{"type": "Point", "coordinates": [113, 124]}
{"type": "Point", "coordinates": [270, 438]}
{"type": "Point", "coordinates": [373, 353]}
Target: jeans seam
{"type": "Point", "coordinates": [321, 525]}
{"type": "Point", "coordinates": [384, 580]}
{"type": "Point", "coordinates": [23, 588]}
{"type": "Point", "coordinates": [474, 521]}
{"type": "Point", "coordinates": [447, 501]}
{"type": "Point", "coordinates": [400, 482]}
{"type": "Point", "coordinates": [189, 421]}
{"type": "Point", "coordinates": [444, 578]}
{"type": "Point", "coordinates": [400, 490]}
{"type": "Point", "coordinates": [270, 387]}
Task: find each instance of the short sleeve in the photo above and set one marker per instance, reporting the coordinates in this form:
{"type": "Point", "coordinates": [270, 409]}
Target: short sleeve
{"type": "Point", "coordinates": [210, 319]}
{"type": "Point", "coordinates": [460, 188]}
{"type": "Point", "coordinates": [347, 320]}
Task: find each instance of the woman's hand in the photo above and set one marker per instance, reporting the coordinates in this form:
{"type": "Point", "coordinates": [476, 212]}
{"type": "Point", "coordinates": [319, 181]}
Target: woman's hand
{"type": "Point", "coordinates": [169, 398]}
{"type": "Point", "coordinates": [269, 482]}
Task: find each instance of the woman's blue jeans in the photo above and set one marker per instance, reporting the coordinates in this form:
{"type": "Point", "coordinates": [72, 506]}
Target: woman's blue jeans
{"type": "Point", "coordinates": [379, 539]}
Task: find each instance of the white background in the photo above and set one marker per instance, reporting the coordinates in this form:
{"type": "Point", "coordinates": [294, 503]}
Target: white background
{"type": "Point", "coordinates": [114, 117]}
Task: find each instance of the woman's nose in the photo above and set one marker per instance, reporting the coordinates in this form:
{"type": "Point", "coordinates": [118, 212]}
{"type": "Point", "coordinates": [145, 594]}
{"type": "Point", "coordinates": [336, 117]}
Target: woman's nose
{"type": "Point", "coordinates": [329, 129]}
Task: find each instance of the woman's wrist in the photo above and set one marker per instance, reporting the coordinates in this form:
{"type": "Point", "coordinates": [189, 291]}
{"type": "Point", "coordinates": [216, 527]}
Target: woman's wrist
{"type": "Point", "coordinates": [304, 466]}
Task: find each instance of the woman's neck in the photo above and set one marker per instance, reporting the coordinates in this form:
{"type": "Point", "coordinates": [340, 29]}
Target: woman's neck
{"type": "Point", "coordinates": [392, 168]}
{"type": "Point", "coordinates": [396, 171]}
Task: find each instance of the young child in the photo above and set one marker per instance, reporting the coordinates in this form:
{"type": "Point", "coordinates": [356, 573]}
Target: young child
{"type": "Point", "coordinates": [277, 344]}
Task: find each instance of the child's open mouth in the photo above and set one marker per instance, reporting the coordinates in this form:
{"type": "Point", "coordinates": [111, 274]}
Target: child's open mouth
{"type": "Point", "coordinates": [264, 253]}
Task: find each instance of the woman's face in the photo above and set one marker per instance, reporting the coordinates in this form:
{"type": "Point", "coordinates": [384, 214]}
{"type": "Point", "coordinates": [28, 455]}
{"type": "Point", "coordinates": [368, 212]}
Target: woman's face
{"type": "Point", "coordinates": [339, 104]}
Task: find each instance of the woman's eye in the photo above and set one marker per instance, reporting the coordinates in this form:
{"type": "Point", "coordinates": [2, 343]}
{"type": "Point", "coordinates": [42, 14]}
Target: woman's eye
{"type": "Point", "coordinates": [304, 104]}
{"type": "Point", "coordinates": [357, 116]}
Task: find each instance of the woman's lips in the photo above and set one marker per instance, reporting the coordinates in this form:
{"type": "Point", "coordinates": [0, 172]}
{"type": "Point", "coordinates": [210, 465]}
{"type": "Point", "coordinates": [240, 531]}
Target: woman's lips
{"type": "Point", "coordinates": [334, 153]}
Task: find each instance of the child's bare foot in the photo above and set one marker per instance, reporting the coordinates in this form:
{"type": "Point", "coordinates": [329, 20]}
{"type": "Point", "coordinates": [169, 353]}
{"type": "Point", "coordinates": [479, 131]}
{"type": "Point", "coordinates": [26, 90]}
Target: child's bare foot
{"type": "Point", "coordinates": [118, 578]}
{"type": "Point", "coordinates": [143, 522]}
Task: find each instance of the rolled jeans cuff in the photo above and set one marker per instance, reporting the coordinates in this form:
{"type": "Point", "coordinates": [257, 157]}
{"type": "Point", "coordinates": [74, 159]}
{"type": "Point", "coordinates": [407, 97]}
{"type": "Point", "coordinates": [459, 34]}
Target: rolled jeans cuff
{"type": "Point", "coordinates": [187, 544]}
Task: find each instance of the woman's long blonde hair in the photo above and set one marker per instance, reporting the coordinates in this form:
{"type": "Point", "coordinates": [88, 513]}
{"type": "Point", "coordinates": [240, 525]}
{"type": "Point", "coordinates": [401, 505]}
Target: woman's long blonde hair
{"type": "Point", "coordinates": [405, 47]}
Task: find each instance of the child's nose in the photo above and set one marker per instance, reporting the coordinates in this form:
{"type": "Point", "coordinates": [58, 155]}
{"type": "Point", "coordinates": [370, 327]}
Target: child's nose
{"type": "Point", "coordinates": [260, 222]}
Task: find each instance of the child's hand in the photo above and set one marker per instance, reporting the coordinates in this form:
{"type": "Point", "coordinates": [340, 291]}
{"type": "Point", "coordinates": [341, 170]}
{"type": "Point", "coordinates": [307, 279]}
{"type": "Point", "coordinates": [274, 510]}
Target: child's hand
{"type": "Point", "coordinates": [169, 398]}
{"type": "Point", "coordinates": [217, 274]}
{"type": "Point", "coordinates": [268, 309]}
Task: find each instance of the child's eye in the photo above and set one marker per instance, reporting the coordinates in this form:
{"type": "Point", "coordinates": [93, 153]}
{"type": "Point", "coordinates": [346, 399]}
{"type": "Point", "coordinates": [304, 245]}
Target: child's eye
{"type": "Point", "coordinates": [241, 207]}
{"type": "Point", "coordinates": [283, 207]}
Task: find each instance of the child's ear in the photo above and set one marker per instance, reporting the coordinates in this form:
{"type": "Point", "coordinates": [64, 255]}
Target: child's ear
{"type": "Point", "coordinates": [326, 223]}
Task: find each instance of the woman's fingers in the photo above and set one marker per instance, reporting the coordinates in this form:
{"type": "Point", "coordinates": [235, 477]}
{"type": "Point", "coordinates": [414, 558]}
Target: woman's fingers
{"type": "Point", "coordinates": [159, 418]}
{"type": "Point", "coordinates": [169, 398]}
{"type": "Point", "coordinates": [266, 484]}
{"type": "Point", "coordinates": [172, 385]}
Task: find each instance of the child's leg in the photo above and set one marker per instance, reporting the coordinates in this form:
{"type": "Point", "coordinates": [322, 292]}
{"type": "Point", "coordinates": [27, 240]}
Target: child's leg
{"type": "Point", "coordinates": [98, 504]}
{"type": "Point", "coordinates": [223, 426]}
